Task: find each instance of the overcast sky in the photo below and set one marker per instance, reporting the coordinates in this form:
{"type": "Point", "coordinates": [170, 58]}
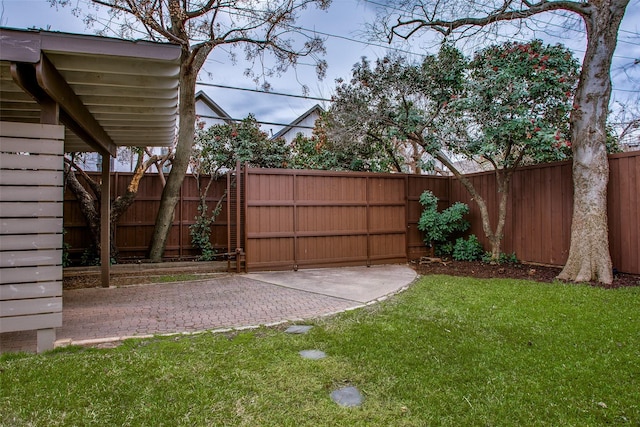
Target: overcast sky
{"type": "Point", "coordinates": [342, 26]}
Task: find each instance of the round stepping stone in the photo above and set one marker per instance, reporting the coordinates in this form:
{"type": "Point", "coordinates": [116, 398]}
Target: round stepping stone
{"type": "Point", "coordinates": [298, 329]}
{"type": "Point", "coordinates": [347, 397]}
{"type": "Point", "coordinates": [313, 354]}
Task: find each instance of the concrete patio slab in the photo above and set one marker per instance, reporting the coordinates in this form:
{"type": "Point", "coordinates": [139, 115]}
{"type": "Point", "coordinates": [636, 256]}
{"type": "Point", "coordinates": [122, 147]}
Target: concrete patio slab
{"type": "Point", "coordinates": [360, 284]}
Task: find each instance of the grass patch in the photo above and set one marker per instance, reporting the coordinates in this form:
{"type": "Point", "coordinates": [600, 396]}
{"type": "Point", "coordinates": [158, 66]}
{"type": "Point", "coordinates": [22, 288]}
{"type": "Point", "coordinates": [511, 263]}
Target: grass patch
{"type": "Point", "coordinates": [449, 351]}
{"type": "Point", "coordinates": [167, 278]}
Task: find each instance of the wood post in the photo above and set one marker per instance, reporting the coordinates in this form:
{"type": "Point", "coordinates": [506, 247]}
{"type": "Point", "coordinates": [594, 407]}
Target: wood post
{"type": "Point", "coordinates": [105, 220]}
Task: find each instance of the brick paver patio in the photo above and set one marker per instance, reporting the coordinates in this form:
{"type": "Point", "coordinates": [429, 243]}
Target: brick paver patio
{"type": "Point", "coordinates": [225, 302]}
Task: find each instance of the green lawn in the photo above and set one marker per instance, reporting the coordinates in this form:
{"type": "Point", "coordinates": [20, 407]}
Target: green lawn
{"type": "Point", "coordinates": [449, 351]}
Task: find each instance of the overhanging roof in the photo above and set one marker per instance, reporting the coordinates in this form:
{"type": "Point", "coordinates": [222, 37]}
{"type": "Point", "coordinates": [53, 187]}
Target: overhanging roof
{"type": "Point", "coordinates": [111, 92]}
{"type": "Point", "coordinates": [294, 124]}
{"type": "Point", "coordinates": [221, 114]}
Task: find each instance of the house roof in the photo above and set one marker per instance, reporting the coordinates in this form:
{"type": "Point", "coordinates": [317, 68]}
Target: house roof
{"type": "Point", "coordinates": [220, 113]}
{"type": "Point", "coordinates": [111, 92]}
{"type": "Point", "coordinates": [294, 124]}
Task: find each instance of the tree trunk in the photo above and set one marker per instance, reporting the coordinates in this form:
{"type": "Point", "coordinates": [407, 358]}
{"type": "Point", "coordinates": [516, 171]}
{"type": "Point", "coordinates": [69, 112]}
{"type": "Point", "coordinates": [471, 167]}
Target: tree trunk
{"type": "Point", "coordinates": [190, 64]}
{"type": "Point", "coordinates": [416, 156]}
{"type": "Point", "coordinates": [503, 179]}
{"type": "Point", "coordinates": [589, 256]}
{"type": "Point", "coordinates": [180, 164]}
{"type": "Point", "coordinates": [87, 204]}
{"type": "Point", "coordinates": [90, 205]}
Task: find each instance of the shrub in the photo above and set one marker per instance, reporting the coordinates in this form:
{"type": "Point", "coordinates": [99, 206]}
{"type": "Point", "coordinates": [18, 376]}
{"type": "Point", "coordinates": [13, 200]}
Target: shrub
{"type": "Point", "coordinates": [66, 259]}
{"type": "Point", "coordinates": [504, 258]}
{"type": "Point", "coordinates": [201, 233]}
{"type": "Point", "coordinates": [467, 250]}
{"type": "Point", "coordinates": [438, 227]}
{"type": "Point", "coordinates": [91, 257]}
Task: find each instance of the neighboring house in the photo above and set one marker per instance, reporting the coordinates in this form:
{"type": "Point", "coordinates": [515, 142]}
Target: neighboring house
{"type": "Point", "coordinates": [210, 113]}
{"type": "Point", "coordinates": [303, 124]}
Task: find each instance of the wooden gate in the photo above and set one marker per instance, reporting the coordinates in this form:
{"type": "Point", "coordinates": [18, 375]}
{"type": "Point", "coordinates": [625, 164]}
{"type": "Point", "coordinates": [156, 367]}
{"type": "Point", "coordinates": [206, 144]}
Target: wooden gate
{"type": "Point", "coordinates": [305, 219]}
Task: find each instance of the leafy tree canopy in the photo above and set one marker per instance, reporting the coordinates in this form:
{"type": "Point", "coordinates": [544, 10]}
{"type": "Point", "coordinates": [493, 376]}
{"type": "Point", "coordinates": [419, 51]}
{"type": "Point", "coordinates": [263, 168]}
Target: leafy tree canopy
{"type": "Point", "coordinates": [509, 105]}
{"type": "Point", "coordinates": [319, 152]}
{"type": "Point", "coordinates": [220, 146]}
{"type": "Point", "coordinates": [394, 101]}
{"type": "Point", "coordinates": [516, 104]}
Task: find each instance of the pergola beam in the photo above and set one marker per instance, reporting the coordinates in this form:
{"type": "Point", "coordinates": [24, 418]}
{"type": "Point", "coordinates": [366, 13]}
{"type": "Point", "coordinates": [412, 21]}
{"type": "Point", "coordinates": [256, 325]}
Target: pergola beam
{"type": "Point", "coordinates": [52, 82]}
{"type": "Point", "coordinates": [25, 76]}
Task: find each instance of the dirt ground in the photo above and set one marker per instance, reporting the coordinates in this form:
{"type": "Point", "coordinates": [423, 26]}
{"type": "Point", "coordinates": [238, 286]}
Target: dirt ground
{"type": "Point", "coordinates": [141, 274]}
{"type": "Point", "coordinates": [426, 266]}
{"type": "Point", "coordinates": [513, 271]}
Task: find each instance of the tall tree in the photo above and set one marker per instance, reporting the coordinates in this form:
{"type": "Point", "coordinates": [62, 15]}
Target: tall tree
{"type": "Point", "coordinates": [354, 152]}
{"type": "Point", "coordinates": [514, 112]}
{"type": "Point", "coordinates": [507, 107]}
{"type": "Point", "coordinates": [385, 102]}
{"type": "Point", "coordinates": [216, 151]}
{"type": "Point", "coordinates": [589, 256]}
{"type": "Point", "coordinates": [200, 26]}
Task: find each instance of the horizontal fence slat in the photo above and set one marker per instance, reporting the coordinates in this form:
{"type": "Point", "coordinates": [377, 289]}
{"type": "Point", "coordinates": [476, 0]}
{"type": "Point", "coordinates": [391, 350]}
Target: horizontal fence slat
{"type": "Point", "coordinates": [38, 146]}
{"type": "Point", "coordinates": [30, 274]}
{"type": "Point", "coordinates": [30, 225]}
{"type": "Point", "coordinates": [34, 162]}
{"type": "Point", "coordinates": [30, 290]}
{"type": "Point", "coordinates": [30, 241]}
{"type": "Point", "coordinates": [28, 323]}
{"type": "Point", "coordinates": [31, 130]}
{"type": "Point", "coordinates": [25, 307]}
{"type": "Point", "coordinates": [332, 260]}
{"type": "Point", "coordinates": [30, 194]}
{"type": "Point", "coordinates": [28, 178]}
{"type": "Point", "coordinates": [30, 258]}
{"type": "Point", "coordinates": [30, 209]}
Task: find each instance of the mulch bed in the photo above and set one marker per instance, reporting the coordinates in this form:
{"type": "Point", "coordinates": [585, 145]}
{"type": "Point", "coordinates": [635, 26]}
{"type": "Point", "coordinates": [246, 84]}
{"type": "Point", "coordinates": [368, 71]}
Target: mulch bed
{"type": "Point", "coordinates": [483, 270]}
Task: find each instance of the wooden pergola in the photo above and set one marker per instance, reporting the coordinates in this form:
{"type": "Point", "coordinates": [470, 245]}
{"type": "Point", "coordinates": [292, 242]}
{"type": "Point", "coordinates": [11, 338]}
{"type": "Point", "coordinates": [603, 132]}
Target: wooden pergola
{"type": "Point", "coordinates": [62, 93]}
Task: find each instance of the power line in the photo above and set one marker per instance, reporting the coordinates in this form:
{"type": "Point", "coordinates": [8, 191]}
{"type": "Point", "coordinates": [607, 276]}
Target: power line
{"type": "Point", "coordinates": [341, 37]}
{"type": "Point", "coordinates": [263, 92]}
{"type": "Point", "coordinates": [312, 97]}
{"type": "Point", "coordinates": [257, 121]}
{"type": "Point", "coordinates": [627, 90]}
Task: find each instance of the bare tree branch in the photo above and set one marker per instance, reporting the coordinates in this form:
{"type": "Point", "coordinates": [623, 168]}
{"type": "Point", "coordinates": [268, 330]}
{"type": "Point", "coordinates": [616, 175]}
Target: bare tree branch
{"type": "Point", "coordinates": [503, 13]}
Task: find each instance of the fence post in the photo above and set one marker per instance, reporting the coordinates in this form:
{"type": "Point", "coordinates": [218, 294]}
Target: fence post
{"type": "Point", "coordinates": [406, 216]}
{"type": "Point", "coordinates": [229, 207]}
{"type": "Point", "coordinates": [295, 222]}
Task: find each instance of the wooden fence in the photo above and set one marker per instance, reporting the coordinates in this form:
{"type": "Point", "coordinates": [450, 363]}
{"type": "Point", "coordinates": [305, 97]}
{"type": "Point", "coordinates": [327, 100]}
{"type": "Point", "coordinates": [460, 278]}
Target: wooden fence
{"type": "Point", "coordinates": [357, 214]}
{"type": "Point", "coordinates": [134, 230]}
{"type": "Point", "coordinates": [538, 223]}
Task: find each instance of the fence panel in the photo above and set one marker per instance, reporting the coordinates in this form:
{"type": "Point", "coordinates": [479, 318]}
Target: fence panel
{"type": "Point", "coordinates": [539, 211]}
{"type": "Point", "coordinates": [624, 211]}
{"type": "Point", "coordinates": [294, 216]}
{"type": "Point", "coordinates": [31, 164]}
{"type": "Point", "coordinates": [135, 228]}
{"type": "Point", "coordinates": [317, 218]}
